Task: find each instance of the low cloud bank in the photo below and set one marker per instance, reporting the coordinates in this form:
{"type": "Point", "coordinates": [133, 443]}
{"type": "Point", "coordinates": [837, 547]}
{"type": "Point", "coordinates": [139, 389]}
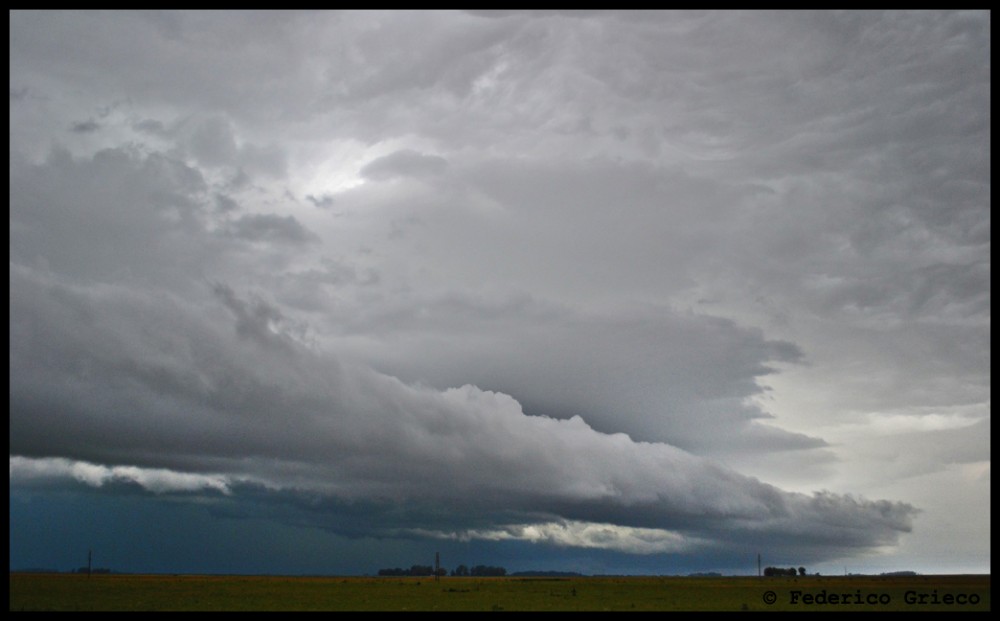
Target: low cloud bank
{"type": "Point", "coordinates": [123, 384]}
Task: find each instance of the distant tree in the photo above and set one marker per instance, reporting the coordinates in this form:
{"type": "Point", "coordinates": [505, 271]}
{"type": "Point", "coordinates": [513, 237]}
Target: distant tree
{"type": "Point", "coordinates": [421, 570]}
{"type": "Point", "coordinates": [802, 571]}
{"type": "Point", "coordinates": [416, 570]}
{"type": "Point", "coordinates": [461, 570]}
{"type": "Point", "coordinates": [485, 570]}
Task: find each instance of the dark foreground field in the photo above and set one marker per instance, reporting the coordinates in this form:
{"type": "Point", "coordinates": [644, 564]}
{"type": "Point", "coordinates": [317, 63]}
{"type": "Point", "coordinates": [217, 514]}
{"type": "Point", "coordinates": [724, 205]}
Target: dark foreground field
{"type": "Point", "coordinates": [164, 592]}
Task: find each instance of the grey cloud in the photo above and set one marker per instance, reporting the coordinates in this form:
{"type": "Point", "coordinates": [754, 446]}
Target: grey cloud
{"type": "Point", "coordinates": [956, 292]}
{"type": "Point", "coordinates": [933, 450]}
{"type": "Point", "coordinates": [579, 232]}
{"type": "Point", "coordinates": [213, 142]}
{"type": "Point", "coordinates": [404, 163]}
{"type": "Point", "coordinates": [239, 181]}
{"type": "Point", "coordinates": [255, 319]}
{"type": "Point", "coordinates": [321, 290]}
{"type": "Point", "coordinates": [270, 228]}
{"type": "Point", "coordinates": [106, 216]}
{"type": "Point", "coordinates": [150, 126]}
{"type": "Point", "coordinates": [85, 127]}
{"type": "Point", "coordinates": [169, 23]}
{"type": "Point", "coordinates": [269, 161]}
{"type": "Point", "coordinates": [323, 202]}
{"type": "Point", "coordinates": [259, 320]}
{"type": "Point", "coordinates": [647, 375]}
{"type": "Point", "coordinates": [226, 204]}
{"type": "Point", "coordinates": [170, 48]}
{"type": "Point", "coordinates": [461, 50]}
{"type": "Point", "coordinates": [568, 227]}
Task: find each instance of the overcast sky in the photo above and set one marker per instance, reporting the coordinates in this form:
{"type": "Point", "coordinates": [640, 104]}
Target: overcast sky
{"type": "Point", "coordinates": [637, 292]}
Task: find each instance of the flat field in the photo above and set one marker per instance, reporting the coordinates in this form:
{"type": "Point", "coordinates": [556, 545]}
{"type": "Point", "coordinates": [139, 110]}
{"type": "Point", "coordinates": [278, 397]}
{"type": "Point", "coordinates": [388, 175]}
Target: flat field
{"type": "Point", "coordinates": [109, 592]}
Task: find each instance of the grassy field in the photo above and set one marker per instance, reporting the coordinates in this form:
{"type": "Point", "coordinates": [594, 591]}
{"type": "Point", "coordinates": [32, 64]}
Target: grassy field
{"type": "Point", "coordinates": [809, 593]}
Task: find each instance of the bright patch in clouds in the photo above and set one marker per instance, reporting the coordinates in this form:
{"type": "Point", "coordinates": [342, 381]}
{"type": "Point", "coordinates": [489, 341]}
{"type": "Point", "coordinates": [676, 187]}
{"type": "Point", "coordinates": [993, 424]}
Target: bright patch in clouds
{"type": "Point", "coordinates": [156, 480]}
{"type": "Point", "coordinates": [578, 534]}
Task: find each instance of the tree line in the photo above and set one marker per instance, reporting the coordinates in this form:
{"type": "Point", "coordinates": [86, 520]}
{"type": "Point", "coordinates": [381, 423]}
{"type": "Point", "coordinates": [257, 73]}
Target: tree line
{"type": "Point", "coordinates": [461, 570]}
{"type": "Point", "coordinates": [778, 571]}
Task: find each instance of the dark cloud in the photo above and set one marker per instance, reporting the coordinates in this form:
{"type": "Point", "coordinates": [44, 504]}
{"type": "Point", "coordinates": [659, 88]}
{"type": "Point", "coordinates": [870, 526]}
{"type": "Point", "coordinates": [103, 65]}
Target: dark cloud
{"type": "Point", "coordinates": [308, 424]}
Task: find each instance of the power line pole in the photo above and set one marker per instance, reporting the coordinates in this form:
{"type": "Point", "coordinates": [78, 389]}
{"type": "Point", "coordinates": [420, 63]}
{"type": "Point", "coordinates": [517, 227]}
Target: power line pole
{"type": "Point", "coordinates": [90, 564]}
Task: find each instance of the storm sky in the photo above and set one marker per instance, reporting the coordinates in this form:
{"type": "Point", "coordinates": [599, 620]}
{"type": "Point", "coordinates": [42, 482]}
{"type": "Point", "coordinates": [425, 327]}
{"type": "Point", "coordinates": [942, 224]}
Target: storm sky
{"type": "Point", "coordinates": [608, 292]}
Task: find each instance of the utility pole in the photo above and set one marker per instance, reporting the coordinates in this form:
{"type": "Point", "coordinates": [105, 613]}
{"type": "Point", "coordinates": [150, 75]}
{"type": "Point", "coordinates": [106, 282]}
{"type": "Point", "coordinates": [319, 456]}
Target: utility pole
{"type": "Point", "coordinates": [90, 564]}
